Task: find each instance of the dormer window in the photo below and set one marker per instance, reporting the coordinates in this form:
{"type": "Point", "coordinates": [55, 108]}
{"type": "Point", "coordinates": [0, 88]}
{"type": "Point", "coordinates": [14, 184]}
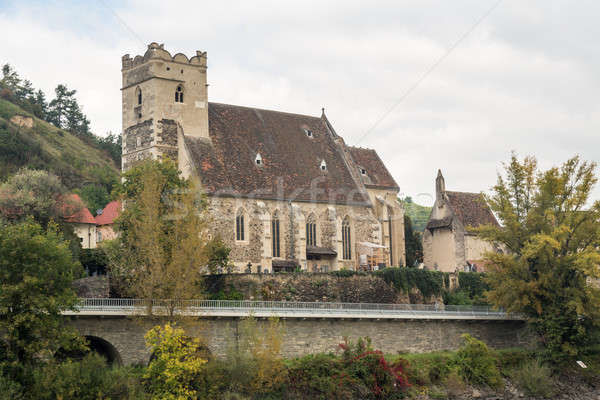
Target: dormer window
{"type": "Point", "coordinates": [308, 132]}
{"type": "Point", "coordinates": [323, 166]}
{"type": "Point", "coordinates": [258, 159]}
{"type": "Point", "coordinates": [179, 94]}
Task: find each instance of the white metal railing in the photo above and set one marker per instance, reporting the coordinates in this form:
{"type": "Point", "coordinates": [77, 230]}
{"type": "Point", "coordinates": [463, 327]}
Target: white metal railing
{"type": "Point", "coordinates": [289, 308]}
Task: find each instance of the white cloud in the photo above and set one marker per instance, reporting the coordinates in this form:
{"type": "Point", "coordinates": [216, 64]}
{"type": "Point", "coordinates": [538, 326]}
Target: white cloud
{"type": "Point", "coordinates": [525, 79]}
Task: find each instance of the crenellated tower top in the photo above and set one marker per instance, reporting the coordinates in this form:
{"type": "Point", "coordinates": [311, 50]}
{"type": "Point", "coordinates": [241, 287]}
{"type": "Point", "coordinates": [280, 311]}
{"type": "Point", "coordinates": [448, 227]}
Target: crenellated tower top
{"type": "Point", "coordinates": [158, 52]}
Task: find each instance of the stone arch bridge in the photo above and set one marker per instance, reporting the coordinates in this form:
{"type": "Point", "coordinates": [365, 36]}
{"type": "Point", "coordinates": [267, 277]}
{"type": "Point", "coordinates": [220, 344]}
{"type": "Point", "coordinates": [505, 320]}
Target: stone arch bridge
{"type": "Point", "coordinates": [115, 328]}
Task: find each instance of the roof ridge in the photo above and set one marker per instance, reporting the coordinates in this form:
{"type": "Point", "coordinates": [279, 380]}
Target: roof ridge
{"type": "Point", "coordinates": [264, 109]}
{"type": "Point", "coordinates": [458, 191]}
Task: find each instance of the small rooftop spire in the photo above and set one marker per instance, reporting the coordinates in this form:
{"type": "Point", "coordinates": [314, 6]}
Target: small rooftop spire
{"type": "Point", "coordinates": [322, 112]}
{"type": "Point", "coordinates": [440, 187]}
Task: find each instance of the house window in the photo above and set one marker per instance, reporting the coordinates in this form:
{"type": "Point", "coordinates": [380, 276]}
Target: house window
{"type": "Point", "coordinates": [240, 227]}
{"type": "Point", "coordinates": [258, 160]}
{"type": "Point", "coordinates": [98, 236]}
{"type": "Point", "coordinates": [138, 93]}
{"type": "Point", "coordinates": [311, 231]}
{"type": "Point", "coordinates": [275, 235]}
{"type": "Point", "coordinates": [308, 133]}
{"type": "Point", "coordinates": [363, 171]}
{"type": "Point", "coordinates": [179, 94]}
{"type": "Point", "coordinates": [346, 240]}
{"type": "Point", "coordinates": [323, 166]}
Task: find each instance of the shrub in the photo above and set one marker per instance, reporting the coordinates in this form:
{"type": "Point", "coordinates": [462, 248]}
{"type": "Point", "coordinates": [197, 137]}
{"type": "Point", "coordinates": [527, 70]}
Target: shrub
{"type": "Point", "coordinates": [534, 378]}
{"type": "Point", "coordinates": [454, 384]}
{"type": "Point", "coordinates": [369, 367]}
{"type": "Point", "coordinates": [9, 389]}
{"type": "Point", "coordinates": [429, 283]}
{"type": "Point", "coordinates": [316, 376]}
{"type": "Point", "coordinates": [428, 368]}
{"type": "Point", "coordinates": [88, 379]}
{"type": "Point", "coordinates": [476, 364]}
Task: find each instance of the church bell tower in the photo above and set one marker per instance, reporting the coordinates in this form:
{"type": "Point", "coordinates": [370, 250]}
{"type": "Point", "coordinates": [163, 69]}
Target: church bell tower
{"type": "Point", "coordinates": [163, 98]}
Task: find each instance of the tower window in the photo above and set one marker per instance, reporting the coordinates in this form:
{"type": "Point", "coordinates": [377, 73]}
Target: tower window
{"type": "Point", "coordinates": [323, 166]}
{"type": "Point", "coordinates": [258, 160]}
{"type": "Point", "coordinates": [308, 133]}
{"type": "Point", "coordinates": [179, 94]}
{"type": "Point", "coordinates": [138, 93]}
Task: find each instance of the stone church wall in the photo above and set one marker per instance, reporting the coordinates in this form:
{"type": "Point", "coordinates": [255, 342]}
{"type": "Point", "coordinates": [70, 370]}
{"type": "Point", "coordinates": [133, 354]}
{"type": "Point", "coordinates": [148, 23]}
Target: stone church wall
{"type": "Point", "coordinates": [257, 246]}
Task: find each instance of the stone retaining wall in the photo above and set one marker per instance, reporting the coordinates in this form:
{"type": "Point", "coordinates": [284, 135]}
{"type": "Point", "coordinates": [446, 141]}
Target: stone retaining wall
{"type": "Point", "coordinates": [303, 336]}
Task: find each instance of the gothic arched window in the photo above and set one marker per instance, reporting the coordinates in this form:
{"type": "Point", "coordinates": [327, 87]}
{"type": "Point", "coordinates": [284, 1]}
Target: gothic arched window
{"type": "Point", "coordinates": [311, 231]}
{"type": "Point", "coordinates": [275, 234]}
{"type": "Point", "coordinates": [346, 240]}
{"type": "Point", "coordinates": [179, 94]}
{"type": "Point", "coordinates": [240, 226]}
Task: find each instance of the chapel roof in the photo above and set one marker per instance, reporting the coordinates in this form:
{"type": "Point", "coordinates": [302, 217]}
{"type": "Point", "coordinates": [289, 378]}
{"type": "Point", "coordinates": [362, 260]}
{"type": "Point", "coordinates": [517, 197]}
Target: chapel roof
{"type": "Point", "coordinates": [470, 208]}
{"type": "Point", "coordinates": [292, 148]}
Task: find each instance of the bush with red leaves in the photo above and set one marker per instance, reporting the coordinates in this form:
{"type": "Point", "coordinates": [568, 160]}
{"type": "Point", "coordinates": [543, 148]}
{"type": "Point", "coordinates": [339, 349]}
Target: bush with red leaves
{"type": "Point", "coordinates": [361, 363]}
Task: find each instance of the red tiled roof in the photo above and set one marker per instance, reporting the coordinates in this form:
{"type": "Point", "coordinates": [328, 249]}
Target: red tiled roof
{"type": "Point", "coordinates": [109, 214]}
{"type": "Point", "coordinates": [470, 208]}
{"type": "Point", "coordinates": [376, 174]}
{"type": "Point", "coordinates": [291, 160]}
{"type": "Point", "coordinates": [75, 211]}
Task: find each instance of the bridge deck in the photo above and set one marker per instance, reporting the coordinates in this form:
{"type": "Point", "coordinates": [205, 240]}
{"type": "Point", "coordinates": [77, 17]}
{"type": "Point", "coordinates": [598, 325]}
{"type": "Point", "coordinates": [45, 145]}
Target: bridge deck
{"type": "Point", "coordinates": [234, 308]}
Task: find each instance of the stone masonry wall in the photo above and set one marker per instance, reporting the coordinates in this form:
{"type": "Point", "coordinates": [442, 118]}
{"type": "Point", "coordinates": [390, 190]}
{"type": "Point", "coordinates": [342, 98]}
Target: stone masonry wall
{"type": "Point", "coordinates": [304, 336]}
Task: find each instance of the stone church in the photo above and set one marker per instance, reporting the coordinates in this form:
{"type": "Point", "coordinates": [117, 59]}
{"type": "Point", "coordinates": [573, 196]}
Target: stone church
{"type": "Point", "coordinates": [449, 242]}
{"type": "Point", "coordinates": [285, 192]}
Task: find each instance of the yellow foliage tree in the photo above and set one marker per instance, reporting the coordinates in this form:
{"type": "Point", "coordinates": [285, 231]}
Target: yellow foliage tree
{"type": "Point", "coordinates": [550, 229]}
{"type": "Point", "coordinates": [175, 365]}
{"type": "Point", "coordinates": [161, 252]}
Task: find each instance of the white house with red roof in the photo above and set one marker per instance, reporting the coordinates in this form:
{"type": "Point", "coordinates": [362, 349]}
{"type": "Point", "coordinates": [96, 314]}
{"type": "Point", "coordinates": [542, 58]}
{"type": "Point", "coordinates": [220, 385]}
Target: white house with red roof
{"type": "Point", "coordinates": [105, 221]}
{"type": "Point", "coordinates": [82, 220]}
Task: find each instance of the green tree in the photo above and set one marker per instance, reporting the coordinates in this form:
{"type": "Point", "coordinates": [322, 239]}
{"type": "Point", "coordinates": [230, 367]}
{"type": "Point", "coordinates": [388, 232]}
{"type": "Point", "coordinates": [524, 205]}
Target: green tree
{"type": "Point", "coordinates": [549, 228]}
{"type": "Point", "coordinates": [217, 254]}
{"type": "Point", "coordinates": [36, 273]}
{"type": "Point", "coordinates": [414, 245]}
{"type": "Point", "coordinates": [10, 78]}
{"type": "Point", "coordinates": [63, 110]}
{"type": "Point", "coordinates": [41, 195]}
{"type": "Point", "coordinates": [32, 193]}
{"type": "Point", "coordinates": [94, 196]}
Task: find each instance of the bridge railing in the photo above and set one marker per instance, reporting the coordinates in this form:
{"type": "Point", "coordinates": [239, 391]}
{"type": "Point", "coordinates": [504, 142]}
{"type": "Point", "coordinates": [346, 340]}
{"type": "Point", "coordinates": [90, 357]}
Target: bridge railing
{"type": "Point", "coordinates": [131, 305]}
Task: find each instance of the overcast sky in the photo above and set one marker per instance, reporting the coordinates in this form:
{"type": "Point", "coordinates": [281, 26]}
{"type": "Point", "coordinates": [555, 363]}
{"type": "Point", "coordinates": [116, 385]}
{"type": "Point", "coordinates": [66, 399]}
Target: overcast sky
{"type": "Point", "coordinates": [525, 78]}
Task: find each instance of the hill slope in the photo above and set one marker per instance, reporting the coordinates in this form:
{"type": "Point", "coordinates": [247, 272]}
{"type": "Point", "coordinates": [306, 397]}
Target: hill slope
{"type": "Point", "coordinates": [33, 143]}
{"type": "Point", "coordinates": [418, 214]}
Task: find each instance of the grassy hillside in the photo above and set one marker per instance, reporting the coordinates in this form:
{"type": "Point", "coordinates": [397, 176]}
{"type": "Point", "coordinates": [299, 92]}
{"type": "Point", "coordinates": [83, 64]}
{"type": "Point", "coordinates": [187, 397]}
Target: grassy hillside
{"type": "Point", "coordinates": [46, 147]}
{"type": "Point", "coordinates": [418, 214]}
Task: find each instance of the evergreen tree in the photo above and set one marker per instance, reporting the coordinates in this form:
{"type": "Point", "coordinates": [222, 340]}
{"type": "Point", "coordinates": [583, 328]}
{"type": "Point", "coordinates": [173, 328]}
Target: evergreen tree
{"type": "Point", "coordinates": [40, 102]}
{"type": "Point", "coordinates": [60, 107]}
{"type": "Point", "coordinates": [10, 78]}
